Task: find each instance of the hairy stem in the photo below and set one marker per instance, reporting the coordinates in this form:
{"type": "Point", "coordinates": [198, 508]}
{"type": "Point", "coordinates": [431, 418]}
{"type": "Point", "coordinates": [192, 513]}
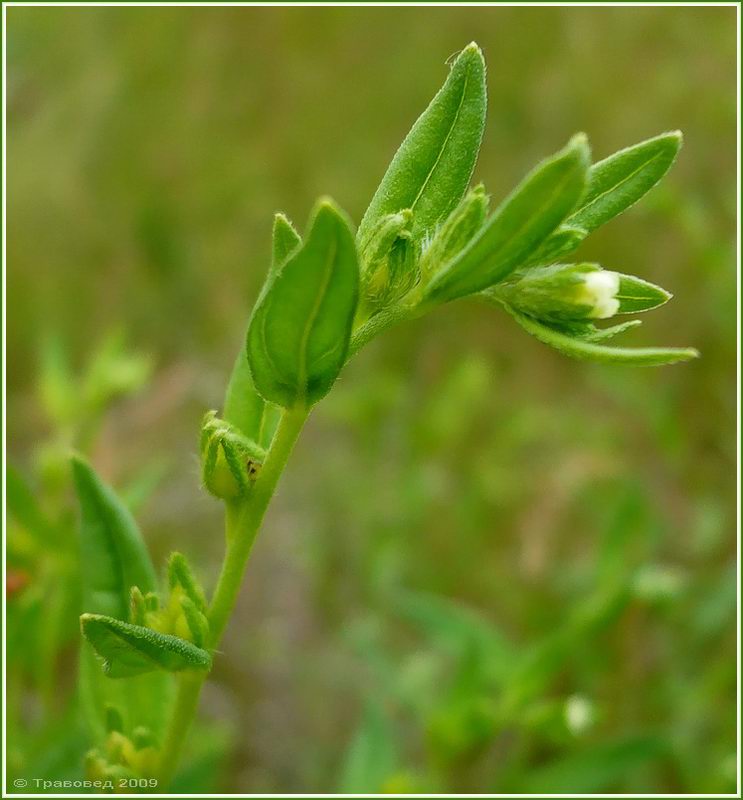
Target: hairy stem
{"type": "Point", "coordinates": [242, 522]}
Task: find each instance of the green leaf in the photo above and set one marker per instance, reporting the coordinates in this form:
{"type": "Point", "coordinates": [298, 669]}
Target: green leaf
{"type": "Point", "coordinates": [589, 351]}
{"type": "Point", "coordinates": [620, 180]}
{"type": "Point", "coordinates": [371, 756]}
{"type": "Point", "coordinates": [24, 508]}
{"type": "Point", "coordinates": [518, 226]}
{"type": "Point", "coordinates": [430, 172]}
{"type": "Point", "coordinates": [637, 295]}
{"type": "Point", "coordinates": [114, 556]}
{"type": "Point", "coordinates": [243, 406]}
{"type": "Point", "coordinates": [301, 326]}
{"type": "Point", "coordinates": [602, 767]}
{"type": "Point", "coordinates": [127, 649]}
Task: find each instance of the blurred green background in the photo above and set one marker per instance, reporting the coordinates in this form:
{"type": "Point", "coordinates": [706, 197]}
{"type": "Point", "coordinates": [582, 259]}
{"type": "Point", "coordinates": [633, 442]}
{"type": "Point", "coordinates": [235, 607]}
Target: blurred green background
{"type": "Point", "coordinates": [487, 568]}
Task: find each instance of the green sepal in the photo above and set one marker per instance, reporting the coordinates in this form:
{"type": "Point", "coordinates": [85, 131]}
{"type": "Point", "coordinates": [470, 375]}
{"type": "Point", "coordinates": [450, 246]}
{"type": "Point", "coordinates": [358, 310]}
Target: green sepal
{"type": "Point", "coordinates": [180, 574]}
{"type": "Point", "coordinates": [619, 181]}
{"type": "Point", "coordinates": [126, 650]}
{"type": "Point", "coordinates": [518, 226]}
{"type": "Point", "coordinates": [301, 326]}
{"type": "Point", "coordinates": [430, 172]}
{"type": "Point", "coordinates": [636, 295]}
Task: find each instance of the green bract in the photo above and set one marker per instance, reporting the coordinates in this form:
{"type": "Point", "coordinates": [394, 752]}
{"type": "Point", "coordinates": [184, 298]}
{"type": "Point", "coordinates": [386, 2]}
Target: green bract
{"type": "Point", "coordinates": [301, 326]}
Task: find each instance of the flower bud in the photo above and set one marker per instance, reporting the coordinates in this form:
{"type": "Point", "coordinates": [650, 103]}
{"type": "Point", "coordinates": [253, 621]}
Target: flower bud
{"type": "Point", "coordinates": [229, 460]}
{"type": "Point", "coordinates": [456, 231]}
{"type": "Point", "coordinates": [387, 260]}
{"type": "Point", "coordinates": [577, 293]}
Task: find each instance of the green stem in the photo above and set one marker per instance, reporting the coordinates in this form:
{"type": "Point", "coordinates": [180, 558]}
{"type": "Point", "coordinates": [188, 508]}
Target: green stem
{"type": "Point", "coordinates": [242, 522]}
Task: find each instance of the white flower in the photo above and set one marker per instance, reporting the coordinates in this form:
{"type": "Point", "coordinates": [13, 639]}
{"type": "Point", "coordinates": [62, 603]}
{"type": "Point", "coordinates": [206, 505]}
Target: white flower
{"type": "Point", "coordinates": [599, 291]}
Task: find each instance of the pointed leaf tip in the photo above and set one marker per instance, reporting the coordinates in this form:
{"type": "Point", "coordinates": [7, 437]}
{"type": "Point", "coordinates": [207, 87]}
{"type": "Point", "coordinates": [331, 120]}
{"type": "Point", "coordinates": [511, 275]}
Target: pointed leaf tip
{"type": "Point", "coordinates": [431, 170]}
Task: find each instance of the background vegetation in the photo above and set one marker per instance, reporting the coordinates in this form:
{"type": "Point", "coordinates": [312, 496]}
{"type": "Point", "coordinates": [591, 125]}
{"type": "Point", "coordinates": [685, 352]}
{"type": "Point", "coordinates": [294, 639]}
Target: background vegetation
{"type": "Point", "coordinates": [488, 568]}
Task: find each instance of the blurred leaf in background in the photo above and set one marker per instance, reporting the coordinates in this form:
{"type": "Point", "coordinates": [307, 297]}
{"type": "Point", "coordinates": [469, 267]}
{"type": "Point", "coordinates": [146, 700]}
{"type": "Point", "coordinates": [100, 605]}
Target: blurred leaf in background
{"type": "Point", "coordinates": [499, 571]}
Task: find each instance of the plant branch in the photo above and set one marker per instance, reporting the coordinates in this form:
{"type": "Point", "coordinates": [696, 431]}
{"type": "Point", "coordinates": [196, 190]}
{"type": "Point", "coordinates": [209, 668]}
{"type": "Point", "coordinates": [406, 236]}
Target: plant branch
{"type": "Point", "coordinates": [243, 519]}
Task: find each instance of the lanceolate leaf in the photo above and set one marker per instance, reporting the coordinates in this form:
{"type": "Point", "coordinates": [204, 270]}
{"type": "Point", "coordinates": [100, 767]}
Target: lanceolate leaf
{"type": "Point", "coordinates": [518, 226]}
{"type": "Point", "coordinates": [589, 351]}
{"type": "Point", "coordinates": [432, 169]}
{"type": "Point", "coordinates": [622, 179]}
{"type": "Point", "coordinates": [301, 326]}
{"type": "Point", "coordinates": [126, 650]}
{"type": "Point", "coordinates": [114, 556]}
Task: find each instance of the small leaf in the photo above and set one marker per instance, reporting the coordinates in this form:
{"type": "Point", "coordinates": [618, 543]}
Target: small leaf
{"type": "Point", "coordinates": [114, 556]}
{"type": "Point", "coordinates": [198, 625]}
{"type": "Point", "coordinates": [595, 334]}
{"type": "Point", "coordinates": [518, 226]}
{"type": "Point", "coordinates": [285, 240]}
{"type": "Point", "coordinates": [301, 326]}
{"type": "Point", "coordinates": [577, 348]}
{"type": "Point", "coordinates": [561, 243]}
{"type": "Point", "coordinates": [430, 172]}
{"type": "Point", "coordinates": [127, 649]}
{"type": "Point", "coordinates": [180, 574]}
{"type": "Point", "coordinates": [637, 295]}
{"type": "Point", "coordinates": [620, 180]}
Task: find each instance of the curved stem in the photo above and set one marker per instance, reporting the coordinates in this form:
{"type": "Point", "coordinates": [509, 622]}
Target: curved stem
{"type": "Point", "coordinates": [242, 522]}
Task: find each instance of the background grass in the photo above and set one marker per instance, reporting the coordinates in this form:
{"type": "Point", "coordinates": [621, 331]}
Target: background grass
{"type": "Point", "coordinates": [488, 568]}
